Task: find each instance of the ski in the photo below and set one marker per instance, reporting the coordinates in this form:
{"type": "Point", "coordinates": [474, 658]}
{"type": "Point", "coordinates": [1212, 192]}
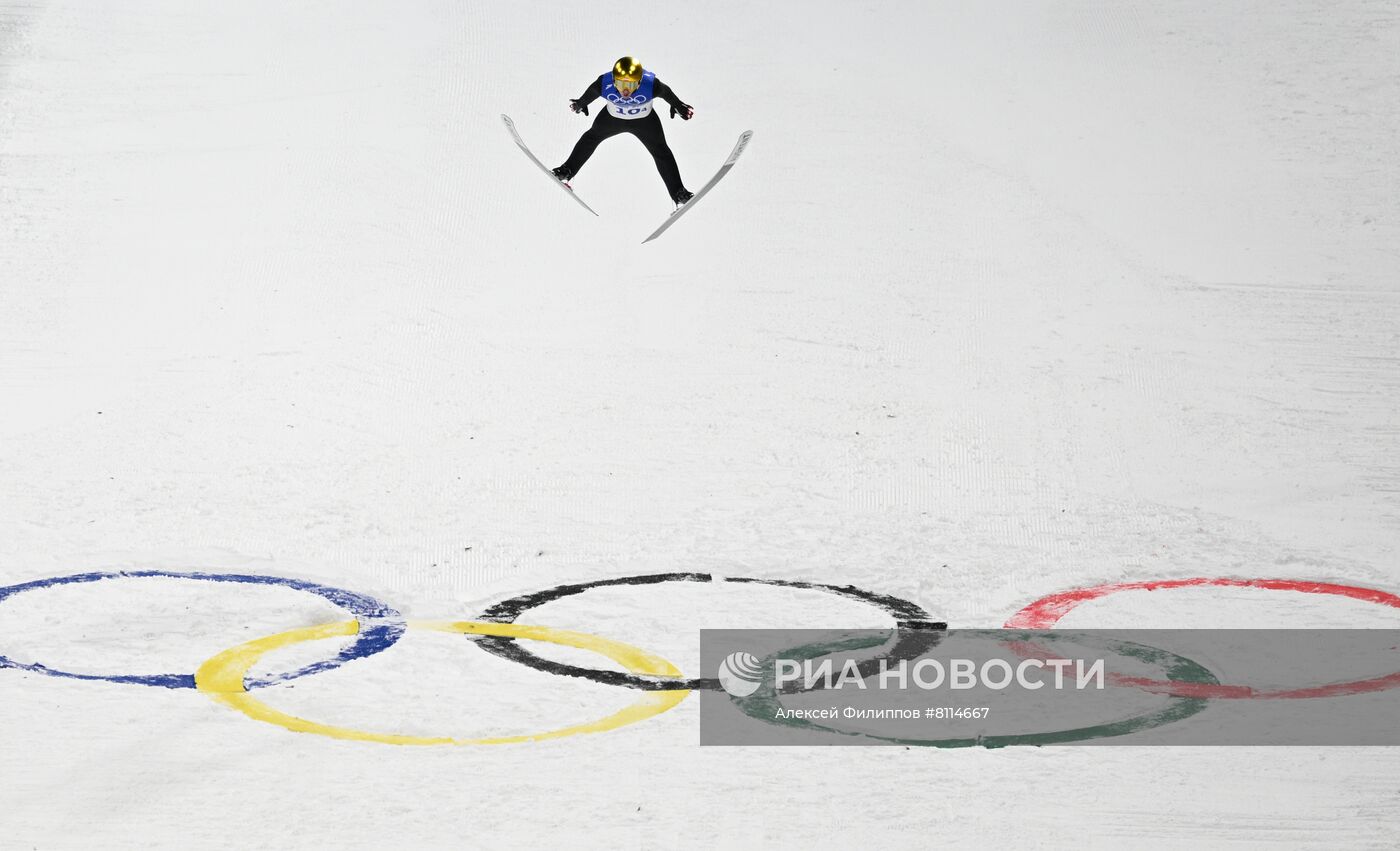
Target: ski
{"type": "Point", "coordinates": [515, 134]}
{"type": "Point", "coordinates": [723, 170]}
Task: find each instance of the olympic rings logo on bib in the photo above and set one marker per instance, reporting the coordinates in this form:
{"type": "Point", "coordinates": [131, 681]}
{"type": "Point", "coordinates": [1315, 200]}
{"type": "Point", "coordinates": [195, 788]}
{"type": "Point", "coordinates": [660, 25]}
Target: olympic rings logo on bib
{"type": "Point", "coordinates": [375, 628]}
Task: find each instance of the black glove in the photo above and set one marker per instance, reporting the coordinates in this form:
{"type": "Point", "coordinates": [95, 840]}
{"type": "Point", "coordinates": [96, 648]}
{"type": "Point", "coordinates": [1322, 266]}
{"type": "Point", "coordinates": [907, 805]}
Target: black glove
{"type": "Point", "coordinates": [685, 111]}
{"type": "Point", "coordinates": [578, 106]}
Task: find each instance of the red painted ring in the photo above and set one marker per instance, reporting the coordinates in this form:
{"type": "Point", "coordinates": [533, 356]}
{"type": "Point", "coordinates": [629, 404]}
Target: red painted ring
{"type": "Point", "coordinates": [1046, 612]}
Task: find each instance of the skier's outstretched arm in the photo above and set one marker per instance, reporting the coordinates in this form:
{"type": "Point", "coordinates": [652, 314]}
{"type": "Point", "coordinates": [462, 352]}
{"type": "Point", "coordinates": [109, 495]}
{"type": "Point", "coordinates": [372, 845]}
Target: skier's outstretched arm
{"type": "Point", "coordinates": [678, 107]}
{"type": "Point", "coordinates": [590, 94]}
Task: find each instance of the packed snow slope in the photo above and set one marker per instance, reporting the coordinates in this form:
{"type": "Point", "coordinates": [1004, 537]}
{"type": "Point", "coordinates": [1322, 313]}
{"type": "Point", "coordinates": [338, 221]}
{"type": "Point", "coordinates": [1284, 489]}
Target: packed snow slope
{"type": "Point", "coordinates": [1003, 299]}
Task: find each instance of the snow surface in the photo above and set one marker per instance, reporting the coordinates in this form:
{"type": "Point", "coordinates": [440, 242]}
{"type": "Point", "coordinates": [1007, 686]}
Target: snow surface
{"type": "Point", "coordinates": [1003, 299]}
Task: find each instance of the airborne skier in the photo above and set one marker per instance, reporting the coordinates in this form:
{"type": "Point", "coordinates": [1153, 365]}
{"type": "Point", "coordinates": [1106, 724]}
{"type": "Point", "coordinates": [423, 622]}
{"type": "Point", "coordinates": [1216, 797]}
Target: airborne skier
{"type": "Point", "coordinates": [629, 90]}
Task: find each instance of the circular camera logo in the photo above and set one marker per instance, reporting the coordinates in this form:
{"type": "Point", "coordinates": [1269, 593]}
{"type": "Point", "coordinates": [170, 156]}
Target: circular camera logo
{"type": "Point", "coordinates": [740, 674]}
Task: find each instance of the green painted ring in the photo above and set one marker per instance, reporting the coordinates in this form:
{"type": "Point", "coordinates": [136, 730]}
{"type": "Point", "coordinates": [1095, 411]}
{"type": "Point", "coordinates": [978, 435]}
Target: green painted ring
{"type": "Point", "coordinates": [764, 703]}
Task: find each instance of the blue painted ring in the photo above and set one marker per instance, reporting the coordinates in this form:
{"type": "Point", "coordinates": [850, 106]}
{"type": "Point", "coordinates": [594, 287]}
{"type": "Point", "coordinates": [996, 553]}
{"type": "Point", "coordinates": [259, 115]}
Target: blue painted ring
{"type": "Point", "coordinates": [380, 626]}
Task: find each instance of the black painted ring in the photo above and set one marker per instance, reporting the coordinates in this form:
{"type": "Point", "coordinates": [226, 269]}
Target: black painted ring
{"type": "Point", "coordinates": [917, 630]}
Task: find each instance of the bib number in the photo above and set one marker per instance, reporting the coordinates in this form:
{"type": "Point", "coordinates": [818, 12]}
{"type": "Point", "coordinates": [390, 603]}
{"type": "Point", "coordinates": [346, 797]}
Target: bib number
{"type": "Point", "coordinates": [631, 111]}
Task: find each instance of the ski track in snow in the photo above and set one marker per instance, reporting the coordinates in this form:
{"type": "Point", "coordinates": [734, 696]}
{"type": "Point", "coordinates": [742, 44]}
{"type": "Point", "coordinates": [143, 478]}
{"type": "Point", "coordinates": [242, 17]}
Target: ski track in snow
{"type": "Point", "coordinates": [1004, 299]}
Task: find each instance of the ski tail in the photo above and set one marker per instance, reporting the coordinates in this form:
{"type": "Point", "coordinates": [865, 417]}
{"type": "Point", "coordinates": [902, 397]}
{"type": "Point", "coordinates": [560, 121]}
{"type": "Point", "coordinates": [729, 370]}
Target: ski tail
{"type": "Point", "coordinates": [520, 143]}
{"type": "Point", "coordinates": [719, 175]}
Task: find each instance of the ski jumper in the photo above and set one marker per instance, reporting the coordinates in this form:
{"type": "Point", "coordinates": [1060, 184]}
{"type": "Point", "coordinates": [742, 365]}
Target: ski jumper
{"type": "Point", "coordinates": [633, 115]}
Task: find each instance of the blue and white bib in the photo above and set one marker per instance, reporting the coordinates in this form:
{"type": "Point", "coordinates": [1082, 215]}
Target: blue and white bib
{"type": "Point", "coordinates": [638, 105]}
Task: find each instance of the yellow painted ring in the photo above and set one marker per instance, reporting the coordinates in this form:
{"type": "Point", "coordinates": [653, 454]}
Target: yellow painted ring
{"type": "Point", "coordinates": [221, 677]}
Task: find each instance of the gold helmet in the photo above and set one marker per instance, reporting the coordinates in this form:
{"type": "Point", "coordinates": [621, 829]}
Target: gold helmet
{"type": "Point", "coordinates": [627, 75]}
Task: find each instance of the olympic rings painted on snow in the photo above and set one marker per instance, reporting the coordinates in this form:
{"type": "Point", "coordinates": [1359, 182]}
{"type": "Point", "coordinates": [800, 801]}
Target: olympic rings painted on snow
{"type": "Point", "coordinates": [1046, 612]}
{"type": "Point", "coordinates": [764, 703]}
{"type": "Point", "coordinates": [385, 625]}
{"type": "Point", "coordinates": [909, 617]}
{"type": "Point", "coordinates": [222, 678]}
{"type": "Point", "coordinates": [377, 627]}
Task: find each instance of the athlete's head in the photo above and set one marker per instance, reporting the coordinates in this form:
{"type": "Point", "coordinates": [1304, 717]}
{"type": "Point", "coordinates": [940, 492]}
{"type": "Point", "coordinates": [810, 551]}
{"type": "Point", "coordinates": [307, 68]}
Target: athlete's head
{"type": "Point", "coordinates": [627, 75]}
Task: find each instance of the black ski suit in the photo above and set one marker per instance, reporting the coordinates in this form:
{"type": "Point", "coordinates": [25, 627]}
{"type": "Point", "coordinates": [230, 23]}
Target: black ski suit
{"type": "Point", "coordinates": [647, 129]}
